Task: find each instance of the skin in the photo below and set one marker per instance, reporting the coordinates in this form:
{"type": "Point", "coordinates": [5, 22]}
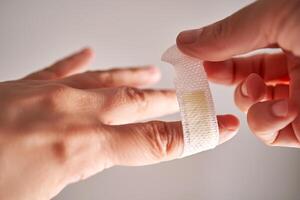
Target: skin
{"type": "Point", "coordinates": [59, 126]}
{"type": "Point", "coordinates": [267, 85]}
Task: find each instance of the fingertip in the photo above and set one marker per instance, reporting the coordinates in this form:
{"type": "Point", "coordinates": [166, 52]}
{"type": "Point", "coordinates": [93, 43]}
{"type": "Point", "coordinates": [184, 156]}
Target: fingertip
{"type": "Point", "coordinates": [187, 42]}
{"type": "Point", "coordinates": [255, 86]}
{"type": "Point", "coordinates": [88, 51]}
{"type": "Point", "coordinates": [228, 127]}
{"type": "Point", "coordinates": [187, 37]}
{"type": "Point", "coordinates": [234, 123]}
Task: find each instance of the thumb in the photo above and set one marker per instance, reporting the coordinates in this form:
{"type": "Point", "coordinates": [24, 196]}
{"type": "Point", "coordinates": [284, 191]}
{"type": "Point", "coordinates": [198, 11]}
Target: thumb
{"type": "Point", "coordinates": [253, 27]}
{"type": "Point", "coordinates": [156, 141]}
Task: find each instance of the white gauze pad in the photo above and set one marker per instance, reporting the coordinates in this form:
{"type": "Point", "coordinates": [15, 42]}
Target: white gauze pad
{"type": "Point", "coordinates": [195, 101]}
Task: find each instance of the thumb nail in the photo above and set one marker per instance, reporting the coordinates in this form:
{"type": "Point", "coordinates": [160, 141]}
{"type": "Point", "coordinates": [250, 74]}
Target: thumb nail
{"type": "Point", "coordinates": [188, 37]}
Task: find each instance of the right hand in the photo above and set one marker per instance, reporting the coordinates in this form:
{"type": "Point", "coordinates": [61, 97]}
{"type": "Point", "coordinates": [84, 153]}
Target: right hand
{"type": "Point", "coordinates": [268, 85]}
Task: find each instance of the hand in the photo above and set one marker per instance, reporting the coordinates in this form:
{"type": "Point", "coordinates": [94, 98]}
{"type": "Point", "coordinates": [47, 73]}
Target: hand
{"type": "Point", "coordinates": [58, 127]}
{"type": "Point", "coordinates": [268, 85]}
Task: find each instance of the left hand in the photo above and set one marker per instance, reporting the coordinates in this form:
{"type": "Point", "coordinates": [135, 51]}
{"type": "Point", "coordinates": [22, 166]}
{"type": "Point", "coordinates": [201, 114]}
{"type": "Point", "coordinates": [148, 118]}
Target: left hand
{"type": "Point", "coordinates": [58, 127]}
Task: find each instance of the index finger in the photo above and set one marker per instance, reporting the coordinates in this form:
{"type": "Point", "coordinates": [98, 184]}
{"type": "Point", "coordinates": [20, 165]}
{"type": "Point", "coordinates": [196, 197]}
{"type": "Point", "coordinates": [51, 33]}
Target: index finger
{"type": "Point", "coordinates": [256, 26]}
{"type": "Point", "coordinates": [272, 68]}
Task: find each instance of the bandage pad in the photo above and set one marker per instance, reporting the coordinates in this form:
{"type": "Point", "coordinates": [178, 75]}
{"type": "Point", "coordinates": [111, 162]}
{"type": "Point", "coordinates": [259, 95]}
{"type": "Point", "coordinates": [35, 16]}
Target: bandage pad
{"type": "Point", "coordinates": [195, 101]}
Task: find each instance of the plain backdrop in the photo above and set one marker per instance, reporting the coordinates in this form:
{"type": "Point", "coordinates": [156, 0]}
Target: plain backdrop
{"type": "Point", "coordinates": [35, 33]}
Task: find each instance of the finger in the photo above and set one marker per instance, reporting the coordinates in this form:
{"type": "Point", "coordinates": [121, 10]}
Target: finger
{"type": "Point", "coordinates": [265, 119]}
{"type": "Point", "coordinates": [228, 127]}
{"type": "Point", "coordinates": [64, 67]}
{"type": "Point", "coordinates": [254, 90]}
{"type": "Point", "coordinates": [126, 104]}
{"type": "Point", "coordinates": [258, 25]}
{"type": "Point", "coordinates": [90, 147]}
{"type": "Point", "coordinates": [249, 92]}
{"type": "Point", "coordinates": [133, 76]}
{"type": "Point", "coordinates": [271, 67]}
{"type": "Point", "coordinates": [155, 141]}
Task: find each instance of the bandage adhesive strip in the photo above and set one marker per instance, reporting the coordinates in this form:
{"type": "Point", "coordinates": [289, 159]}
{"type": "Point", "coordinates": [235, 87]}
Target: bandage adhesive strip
{"type": "Point", "coordinates": [195, 101]}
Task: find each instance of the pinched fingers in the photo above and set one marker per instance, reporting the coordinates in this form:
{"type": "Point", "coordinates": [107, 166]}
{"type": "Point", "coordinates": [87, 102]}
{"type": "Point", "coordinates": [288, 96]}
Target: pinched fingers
{"type": "Point", "coordinates": [269, 119]}
{"type": "Point", "coordinates": [250, 91]}
{"type": "Point", "coordinates": [270, 114]}
{"type": "Point", "coordinates": [253, 89]}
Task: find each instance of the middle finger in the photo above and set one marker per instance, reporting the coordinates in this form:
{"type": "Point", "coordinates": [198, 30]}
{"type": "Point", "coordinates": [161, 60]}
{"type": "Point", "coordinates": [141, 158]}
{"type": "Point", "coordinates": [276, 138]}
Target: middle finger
{"type": "Point", "coordinates": [127, 104]}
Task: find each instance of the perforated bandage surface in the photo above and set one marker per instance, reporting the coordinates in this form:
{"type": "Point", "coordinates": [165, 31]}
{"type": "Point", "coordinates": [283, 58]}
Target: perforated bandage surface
{"type": "Point", "coordinates": [196, 105]}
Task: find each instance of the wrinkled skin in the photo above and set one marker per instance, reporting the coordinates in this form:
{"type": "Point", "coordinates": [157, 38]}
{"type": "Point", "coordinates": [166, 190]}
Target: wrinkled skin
{"type": "Point", "coordinates": [58, 126]}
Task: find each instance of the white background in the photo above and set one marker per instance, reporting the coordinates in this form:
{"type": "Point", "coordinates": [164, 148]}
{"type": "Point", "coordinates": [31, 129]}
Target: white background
{"type": "Point", "coordinates": [33, 34]}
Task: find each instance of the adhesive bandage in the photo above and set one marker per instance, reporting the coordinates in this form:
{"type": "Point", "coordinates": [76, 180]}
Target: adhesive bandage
{"type": "Point", "coordinates": [195, 101]}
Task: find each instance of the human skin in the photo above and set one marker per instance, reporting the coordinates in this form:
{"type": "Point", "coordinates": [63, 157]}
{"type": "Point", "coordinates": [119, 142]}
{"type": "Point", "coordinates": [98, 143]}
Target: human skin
{"type": "Point", "coordinates": [267, 85]}
{"type": "Point", "coordinates": [59, 126]}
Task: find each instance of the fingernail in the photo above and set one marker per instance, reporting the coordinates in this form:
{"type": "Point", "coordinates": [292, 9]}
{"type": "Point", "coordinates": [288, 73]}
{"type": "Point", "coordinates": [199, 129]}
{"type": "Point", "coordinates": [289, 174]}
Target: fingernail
{"type": "Point", "coordinates": [188, 37]}
{"type": "Point", "coordinates": [280, 108]}
{"type": "Point", "coordinates": [244, 89]}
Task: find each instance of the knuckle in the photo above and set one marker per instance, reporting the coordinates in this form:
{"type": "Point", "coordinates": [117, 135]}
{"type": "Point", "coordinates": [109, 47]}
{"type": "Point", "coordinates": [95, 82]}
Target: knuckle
{"type": "Point", "coordinates": [107, 78]}
{"type": "Point", "coordinates": [59, 151]}
{"type": "Point", "coordinates": [56, 93]}
{"type": "Point", "coordinates": [160, 139]}
{"type": "Point", "coordinates": [56, 89]}
{"type": "Point", "coordinates": [65, 145]}
{"type": "Point", "coordinates": [77, 142]}
{"type": "Point", "coordinates": [132, 95]}
{"type": "Point", "coordinates": [134, 99]}
{"type": "Point", "coordinates": [219, 31]}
